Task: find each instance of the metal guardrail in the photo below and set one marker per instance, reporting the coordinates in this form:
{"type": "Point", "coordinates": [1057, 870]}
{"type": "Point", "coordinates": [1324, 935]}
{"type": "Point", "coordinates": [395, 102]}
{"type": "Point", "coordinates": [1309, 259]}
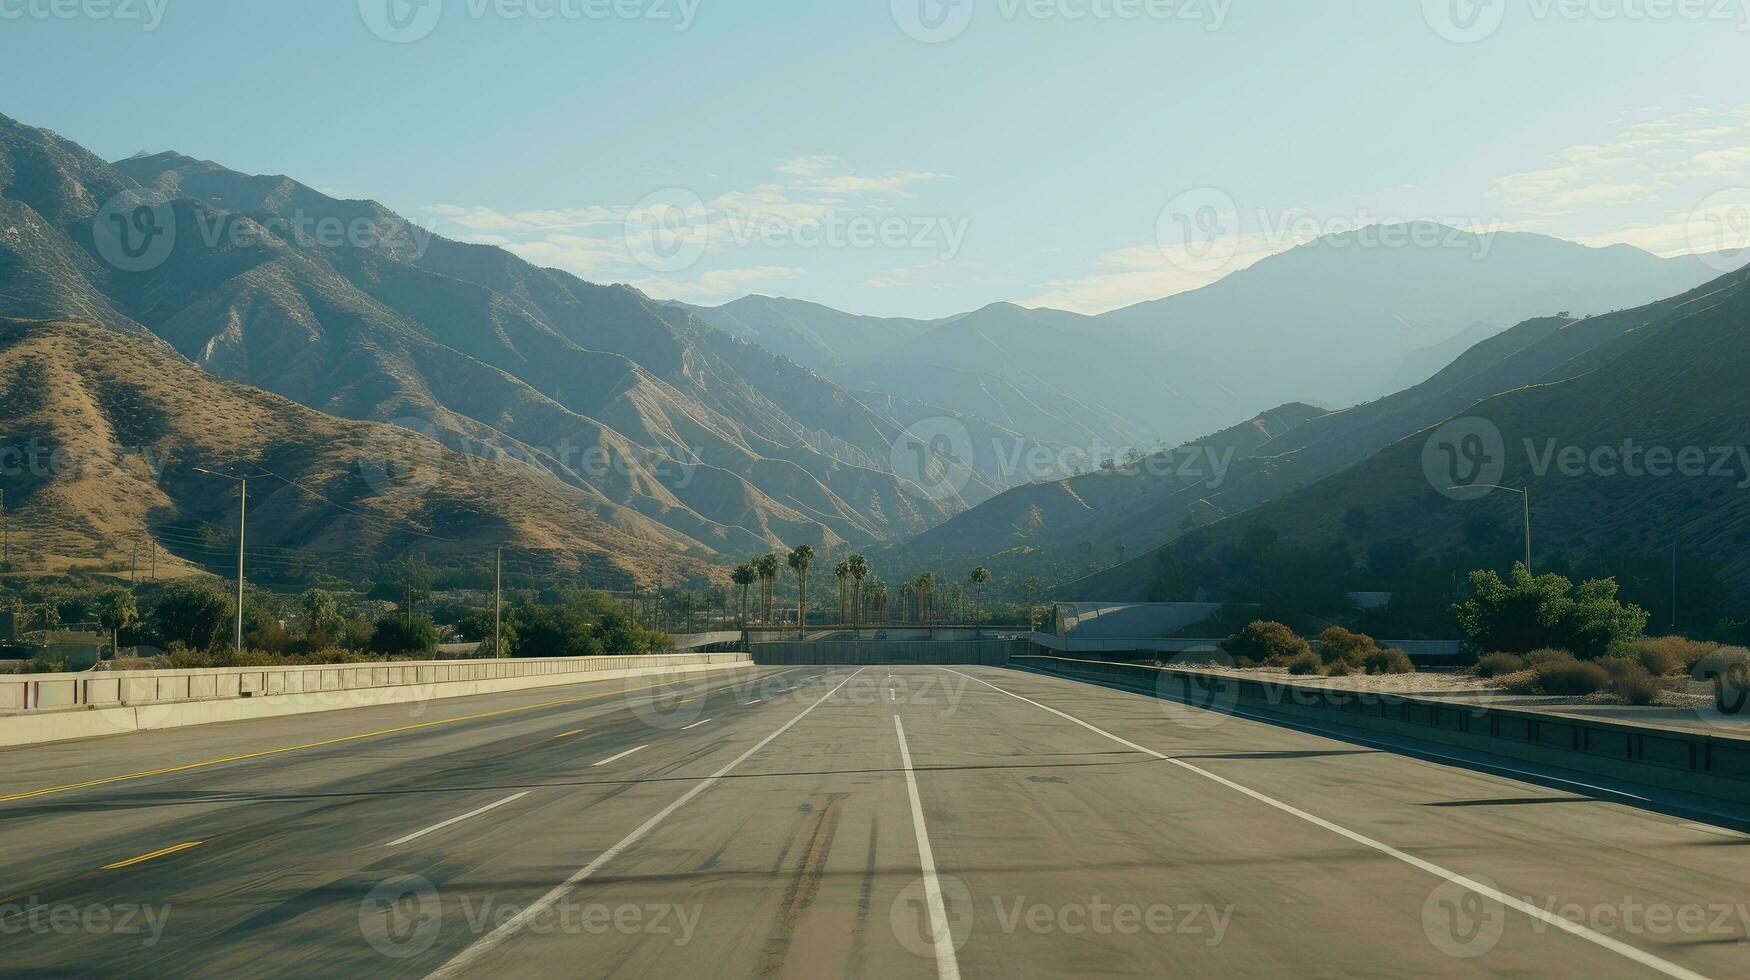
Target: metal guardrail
{"type": "Point", "coordinates": [1705, 763]}
{"type": "Point", "coordinates": [44, 692]}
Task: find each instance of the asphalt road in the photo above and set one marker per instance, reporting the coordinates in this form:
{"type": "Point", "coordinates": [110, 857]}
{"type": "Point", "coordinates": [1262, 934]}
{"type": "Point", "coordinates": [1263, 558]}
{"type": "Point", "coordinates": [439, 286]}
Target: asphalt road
{"type": "Point", "coordinates": [819, 821]}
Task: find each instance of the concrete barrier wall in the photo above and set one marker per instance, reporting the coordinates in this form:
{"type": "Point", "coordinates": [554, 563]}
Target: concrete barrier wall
{"type": "Point", "coordinates": [1702, 763]}
{"type": "Point", "coordinates": [895, 652]}
{"type": "Point", "coordinates": [56, 707]}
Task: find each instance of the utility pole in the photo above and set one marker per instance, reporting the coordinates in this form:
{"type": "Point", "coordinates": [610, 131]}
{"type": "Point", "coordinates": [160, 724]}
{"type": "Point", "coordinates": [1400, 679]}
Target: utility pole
{"type": "Point", "coordinates": [5, 533]}
{"type": "Point", "coordinates": [134, 567]}
{"type": "Point", "coordinates": [1674, 585]}
{"type": "Point", "coordinates": [154, 548]}
{"type": "Point", "coordinates": [498, 607]}
{"type": "Point", "coordinates": [242, 523]}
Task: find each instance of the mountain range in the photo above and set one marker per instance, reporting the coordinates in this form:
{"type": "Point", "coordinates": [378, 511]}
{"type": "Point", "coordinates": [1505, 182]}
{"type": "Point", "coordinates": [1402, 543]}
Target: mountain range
{"type": "Point", "coordinates": [1563, 404]}
{"type": "Point", "coordinates": [672, 432]}
{"type": "Point", "coordinates": [689, 437]}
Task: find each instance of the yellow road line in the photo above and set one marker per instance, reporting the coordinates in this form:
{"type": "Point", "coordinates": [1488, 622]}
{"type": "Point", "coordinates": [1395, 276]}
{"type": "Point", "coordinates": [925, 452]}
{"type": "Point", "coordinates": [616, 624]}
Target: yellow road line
{"type": "Point", "coordinates": [155, 854]}
{"type": "Point", "coordinates": [106, 780]}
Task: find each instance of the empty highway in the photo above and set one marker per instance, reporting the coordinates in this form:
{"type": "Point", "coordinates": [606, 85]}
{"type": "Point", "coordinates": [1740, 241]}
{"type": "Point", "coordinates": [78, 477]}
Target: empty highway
{"type": "Point", "coordinates": [826, 821]}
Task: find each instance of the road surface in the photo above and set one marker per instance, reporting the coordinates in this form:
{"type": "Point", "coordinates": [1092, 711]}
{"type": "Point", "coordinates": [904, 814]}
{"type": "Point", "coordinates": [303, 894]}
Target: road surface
{"type": "Point", "coordinates": [820, 821]}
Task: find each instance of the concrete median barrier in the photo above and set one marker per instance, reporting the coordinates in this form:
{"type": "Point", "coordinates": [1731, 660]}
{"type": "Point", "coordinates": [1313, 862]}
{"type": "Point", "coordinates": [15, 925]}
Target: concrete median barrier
{"type": "Point", "coordinates": [38, 708]}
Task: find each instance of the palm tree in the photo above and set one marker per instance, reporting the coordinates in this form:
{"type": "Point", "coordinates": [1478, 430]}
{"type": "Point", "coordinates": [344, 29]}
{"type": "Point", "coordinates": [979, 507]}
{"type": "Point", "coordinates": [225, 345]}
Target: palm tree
{"type": "Point", "coordinates": [842, 572]}
{"type": "Point", "coordinates": [1033, 586]}
{"type": "Point", "coordinates": [743, 576]}
{"type": "Point", "coordinates": [878, 597]}
{"type": "Point", "coordinates": [858, 567]}
{"type": "Point", "coordinates": [978, 578]}
{"type": "Point", "coordinates": [766, 566]}
{"type": "Point", "coordinates": [801, 557]}
{"type": "Point", "coordinates": [926, 590]}
{"type": "Point", "coordinates": [906, 591]}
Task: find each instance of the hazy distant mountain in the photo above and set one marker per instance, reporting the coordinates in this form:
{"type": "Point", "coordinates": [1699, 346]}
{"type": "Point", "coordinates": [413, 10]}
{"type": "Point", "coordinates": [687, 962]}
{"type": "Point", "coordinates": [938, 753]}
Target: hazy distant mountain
{"type": "Point", "coordinates": [1664, 375]}
{"type": "Point", "coordinates": [1049, 526]}
{"type": "Point", "coordinates": [664, 422]}
{"type": "Point", "coordinates": [1330, 322]}
{"type": "Point", "coordinates": [1419, 365]}
{"type": "Point", "coordinates": [1337, 322]}
{"type": "Point", "coordinates": [814, 336]}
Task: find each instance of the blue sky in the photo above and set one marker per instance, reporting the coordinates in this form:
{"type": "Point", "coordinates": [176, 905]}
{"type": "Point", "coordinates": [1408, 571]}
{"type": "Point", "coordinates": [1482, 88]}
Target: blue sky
{"type": "Point", "coordinates": [702, 149]}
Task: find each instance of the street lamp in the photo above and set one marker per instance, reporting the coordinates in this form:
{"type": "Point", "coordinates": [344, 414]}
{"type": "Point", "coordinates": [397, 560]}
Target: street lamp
{"type": "Point", "coordinates": [1526, 494]}
{"type": "Point", "coordinates": [242, 512]}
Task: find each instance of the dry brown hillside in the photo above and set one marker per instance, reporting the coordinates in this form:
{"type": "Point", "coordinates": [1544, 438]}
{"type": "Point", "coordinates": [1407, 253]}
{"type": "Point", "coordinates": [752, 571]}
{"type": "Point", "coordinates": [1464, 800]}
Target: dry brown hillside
{"type": "Point", "coordinates": [103, 431]}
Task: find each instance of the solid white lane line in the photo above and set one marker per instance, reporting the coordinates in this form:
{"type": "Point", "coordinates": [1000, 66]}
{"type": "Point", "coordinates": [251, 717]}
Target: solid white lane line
{"type": "Point", "coordinates": [464, 961]}
{"type": "Point", "coordinates": [1416, 752]}
{"type": "Point", "coordinates": [696, 724]}
{"type": "Point", "coordinates": [941, 936]}
{"type": "Point", "coordinates": [434, 828]}
{"type": "Point", "coordinates": [754, 702]}
{"type": "Point", "coordinates": [1550, 918]}
{"type": "Point", "coordinates": [617, 758]}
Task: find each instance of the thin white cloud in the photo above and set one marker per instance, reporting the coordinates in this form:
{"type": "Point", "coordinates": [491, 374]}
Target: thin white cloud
{"type": "Point", "coordinates": [1658, 184]}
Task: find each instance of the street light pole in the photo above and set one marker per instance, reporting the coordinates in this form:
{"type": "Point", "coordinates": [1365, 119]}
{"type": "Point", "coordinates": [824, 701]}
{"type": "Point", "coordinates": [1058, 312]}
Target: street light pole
{"type": "Point", "coordinates": [242, 515]}
{"type": "Point", "coordinates": [242, 521]}
{"type": "Point", "coordinates": [498, 607]}
{"type": "Point", "coordinates": [1523, 493]}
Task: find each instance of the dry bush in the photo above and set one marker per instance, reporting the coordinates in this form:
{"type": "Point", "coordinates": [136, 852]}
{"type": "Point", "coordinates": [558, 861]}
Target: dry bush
{"type": "Point", "coordinates": [1499, 665]}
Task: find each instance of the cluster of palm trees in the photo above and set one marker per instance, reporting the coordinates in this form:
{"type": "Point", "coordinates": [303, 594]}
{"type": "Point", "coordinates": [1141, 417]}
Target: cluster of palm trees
{"type": "Point", "coordinates": [860, 597]}
{"type": "Point", "coordinates": [926, 599]}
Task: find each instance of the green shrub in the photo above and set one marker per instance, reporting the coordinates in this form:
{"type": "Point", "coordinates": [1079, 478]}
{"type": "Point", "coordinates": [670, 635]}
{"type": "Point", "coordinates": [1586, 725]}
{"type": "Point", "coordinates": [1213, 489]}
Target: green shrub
{"type": "Point", "coordinates": [1499, 665]}
{"type": "Point", "coordinates": [1392, 661]}
{"type": "Point", "coordinates": [1338, 645]}
{"type": "Point", "coordinates": [1526, 612]}
{"type": "Point", "coordinates": [1304, 664]}
{"type": "Point", "coordinates": [403, 634]}
{"type": "Point", "coordinates": [1266, 643]}
{"type": "Point", "coordinates": [1341, 668]}
{"type": "Point", "coordinates": [1631, 683]}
